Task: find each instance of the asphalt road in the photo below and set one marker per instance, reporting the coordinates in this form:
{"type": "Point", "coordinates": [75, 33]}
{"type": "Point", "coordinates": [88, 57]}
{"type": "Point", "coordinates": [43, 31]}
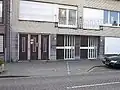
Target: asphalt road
{"type": "Point", "coordinates": [91, 81]}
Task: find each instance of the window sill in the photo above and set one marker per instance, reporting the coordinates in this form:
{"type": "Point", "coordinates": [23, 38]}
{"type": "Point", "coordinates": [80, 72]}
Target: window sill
{"type": "Point", "coordinates": [67, 26]}
{"type": "Point", "coordinates": [110, 25]}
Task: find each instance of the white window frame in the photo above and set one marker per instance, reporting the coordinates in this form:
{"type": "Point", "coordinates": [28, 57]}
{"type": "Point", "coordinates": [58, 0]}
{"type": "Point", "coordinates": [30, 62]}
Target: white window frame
{"type": "Point", "coordinates": [67, 16]}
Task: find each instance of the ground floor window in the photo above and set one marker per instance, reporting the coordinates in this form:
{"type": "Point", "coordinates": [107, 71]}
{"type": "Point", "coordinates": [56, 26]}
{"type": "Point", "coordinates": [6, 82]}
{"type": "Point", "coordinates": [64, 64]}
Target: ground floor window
{"type": "Point", "coordinates": [1, 44]}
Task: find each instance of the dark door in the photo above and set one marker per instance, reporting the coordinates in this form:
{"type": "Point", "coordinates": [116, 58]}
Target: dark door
{"type": "Point", "coordinates": [84, 53]}
{"type": "Point", "coordinates": [34, 47]}
{"type": "Point", "coordinates": [23, 46]}
{"type": "Point", "coordinates": [44, 47]}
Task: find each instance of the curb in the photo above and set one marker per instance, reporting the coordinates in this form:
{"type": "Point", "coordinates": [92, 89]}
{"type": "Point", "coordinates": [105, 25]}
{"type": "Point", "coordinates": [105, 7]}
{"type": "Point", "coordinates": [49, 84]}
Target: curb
{"type": "Point", "coordinates": [89, 70]}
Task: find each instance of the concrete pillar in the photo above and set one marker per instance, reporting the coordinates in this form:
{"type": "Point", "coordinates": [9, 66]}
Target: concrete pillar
{"type": "Point", "coordinates": [53, 47]}
{"type": "Point", "coordinates": [101, 46]}
{"type": "Point", "coordinates": [28, 46]}
{"type": "Point", "coordinates": [77, 47]}
{"type": "Point", "coordinates": [39, 47]}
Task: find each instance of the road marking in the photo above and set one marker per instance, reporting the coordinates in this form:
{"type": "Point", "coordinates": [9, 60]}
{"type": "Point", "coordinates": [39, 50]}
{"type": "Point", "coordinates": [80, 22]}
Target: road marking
{"type": "Point", "coordinates": [68, 68]}
{"type": "Point", "coordinates": [92, 85]}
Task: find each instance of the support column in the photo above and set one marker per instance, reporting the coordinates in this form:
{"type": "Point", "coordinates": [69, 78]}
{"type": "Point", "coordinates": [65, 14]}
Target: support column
{"type": "Point", "coordinates": [77, 47]}
{"type": "Point", "coordinates": [53, 47]}
{"type": "Point", "coordinates": [101, 46]}
{"type": "Point", "coordinates": [29, 46]}
{"type": "Point", "coordinates": [39, 47]}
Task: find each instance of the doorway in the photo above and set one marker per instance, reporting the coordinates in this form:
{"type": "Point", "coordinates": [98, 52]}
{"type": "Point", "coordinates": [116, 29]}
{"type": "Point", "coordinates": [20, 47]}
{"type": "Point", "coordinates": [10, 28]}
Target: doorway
{"type": "Point", "coordinates": [34, 47]}
{"type": "Point", "coordinates": [23, 46]}
{"type": "Point", "coordinates": [44, 47]}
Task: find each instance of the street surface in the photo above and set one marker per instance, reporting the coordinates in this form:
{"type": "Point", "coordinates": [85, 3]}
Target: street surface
{"type": "Point", "coordinates": [91, 81]}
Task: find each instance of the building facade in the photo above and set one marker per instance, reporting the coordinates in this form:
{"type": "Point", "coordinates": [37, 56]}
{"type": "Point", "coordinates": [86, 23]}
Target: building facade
{"type": "Point", "coordinates": [4, 29]}
{"type": "Point", "coordinates": [62, 29]}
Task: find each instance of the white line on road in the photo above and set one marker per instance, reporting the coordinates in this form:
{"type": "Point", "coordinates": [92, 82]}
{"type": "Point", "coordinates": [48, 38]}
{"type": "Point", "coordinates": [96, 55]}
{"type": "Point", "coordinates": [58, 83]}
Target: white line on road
{"type": "Point", "coordinates": [93, 85]}
{"type": "Point", "coordinates": [68, 68]}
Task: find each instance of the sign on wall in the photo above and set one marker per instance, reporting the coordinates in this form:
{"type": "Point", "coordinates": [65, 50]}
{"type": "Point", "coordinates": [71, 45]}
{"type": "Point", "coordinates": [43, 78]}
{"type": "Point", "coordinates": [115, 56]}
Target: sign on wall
{"type": "Point", "coordinates": [37, 11]}
{"type": "Point", "coordinates": [92, 18]}
{"type": "Point", "coordinates": [112, 45]}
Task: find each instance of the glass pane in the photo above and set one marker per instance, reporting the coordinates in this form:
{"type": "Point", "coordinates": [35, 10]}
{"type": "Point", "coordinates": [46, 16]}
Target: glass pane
{"type": "Point", "coordinates": [62, 16]}
{"type": "Point", "coordinates": [72, 17]}
{"type": "Point", "coordinates": [34, 44]}
{"type": "Point", "coordinates": [73, 53]}
{"type": "Point", "coordinates": [70, 53]}
{"type": "Point", "coordinates": [114, 18]}
{"type": "Point", "coordinates": [119, 18]}
{"type": "Point", "coordinates": [23, 44]}
{"type": "Point", "coordinates": [105, 17]}
{"type": "Point", "coordinates": [66, 53]}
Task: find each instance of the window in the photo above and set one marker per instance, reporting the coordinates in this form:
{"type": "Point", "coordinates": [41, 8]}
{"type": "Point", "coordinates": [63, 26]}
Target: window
{"type": "Point", "coordinates": [62, 16]}
{"type": "Point", "coordinates": [34, 44]}
{"type": "Point", "coordinates": [114, 18]}
{"type": "Point", "coordinates": [23, 44]}
{"type": "Point", "coordinates": [1, 9]}
{"type": "Point", "coordinates": [1, 44]}
{"type": "Point", "coordinates": [105, 16]}
{"type": "Point", "coordinates": [119, 18]}
{"type": "Point", "coordinates": [67, 17]}
{"type": "Point", "coordinates": [72, 17]}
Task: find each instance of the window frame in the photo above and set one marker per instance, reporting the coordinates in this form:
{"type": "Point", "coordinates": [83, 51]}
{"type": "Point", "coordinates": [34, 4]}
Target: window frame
{"type": "Point", "coordinates": [109, 19]}
{"type": "Point", "coordinates": [68, 8]}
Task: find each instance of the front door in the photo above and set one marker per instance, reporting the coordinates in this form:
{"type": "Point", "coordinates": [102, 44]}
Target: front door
{"type": "Point", "coordinates": [44, 47]}
{"type": "Point", "coordinates": [23, 45]}
{"type": "Point", "coordinates": [34, 47]}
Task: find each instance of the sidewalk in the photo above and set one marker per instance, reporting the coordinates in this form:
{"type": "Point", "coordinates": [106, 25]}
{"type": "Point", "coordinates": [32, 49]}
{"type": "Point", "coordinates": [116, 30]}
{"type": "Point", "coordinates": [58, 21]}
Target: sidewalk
{"type": "Point", "coordinates": [51, 68]}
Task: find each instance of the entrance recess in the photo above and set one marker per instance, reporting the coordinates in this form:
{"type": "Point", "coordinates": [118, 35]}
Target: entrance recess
{"type": "Point", "coordinates": [44, 47]}
{"type": "Point", "coordinates": [34, 47]}
{"type": "Point", "coordinates": [89, 47]}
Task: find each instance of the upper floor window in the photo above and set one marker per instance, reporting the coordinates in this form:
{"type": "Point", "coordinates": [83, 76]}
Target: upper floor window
{"type": "Point", "coordinates": [105, 16]}
{"type": "Point", "coordinates": [112, 18]}
{"type": "Point", "coordinates": [67, 17]}
{"type": "Point", "coordinates": [72, 17]}
{"type": "Point", "coordinates": [62, 16]}
{"type": "Point", "coordinates": [1, 9]}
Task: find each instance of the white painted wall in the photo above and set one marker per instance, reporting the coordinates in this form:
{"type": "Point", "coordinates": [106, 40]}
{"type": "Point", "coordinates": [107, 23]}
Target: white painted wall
{"type": "Point", "coordinates": [92, 18]}
{"type": "Point", "coordinates": [38, 11]}
{"type": "Point", "coordinates": [112, 45]}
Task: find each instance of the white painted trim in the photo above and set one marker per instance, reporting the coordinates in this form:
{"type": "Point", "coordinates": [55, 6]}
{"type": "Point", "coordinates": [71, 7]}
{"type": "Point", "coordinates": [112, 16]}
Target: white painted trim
{"type": "Point", "coordinates": [67, 7]}
{"type": "Point", "coordinates": [84, 47]}
{"type": "Point", "coordinates": [66, 47]}
{"type": "Point", "coordinates": [88, 47]}
{"type": "Point", "coordinates": [109, 17]}
{"type": "Point", "coordinates": [49, 46]}
{"type": "Point", "coordinates": [29, 46]}
{"type": "Point", "coordinates": [39, 47]}
{"type": "Point", "coordinates": [93, 85]}
{"type": "Point", "coordinates": [71, 26]}
{"type": "Point", "coordinates": [18, 45]}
